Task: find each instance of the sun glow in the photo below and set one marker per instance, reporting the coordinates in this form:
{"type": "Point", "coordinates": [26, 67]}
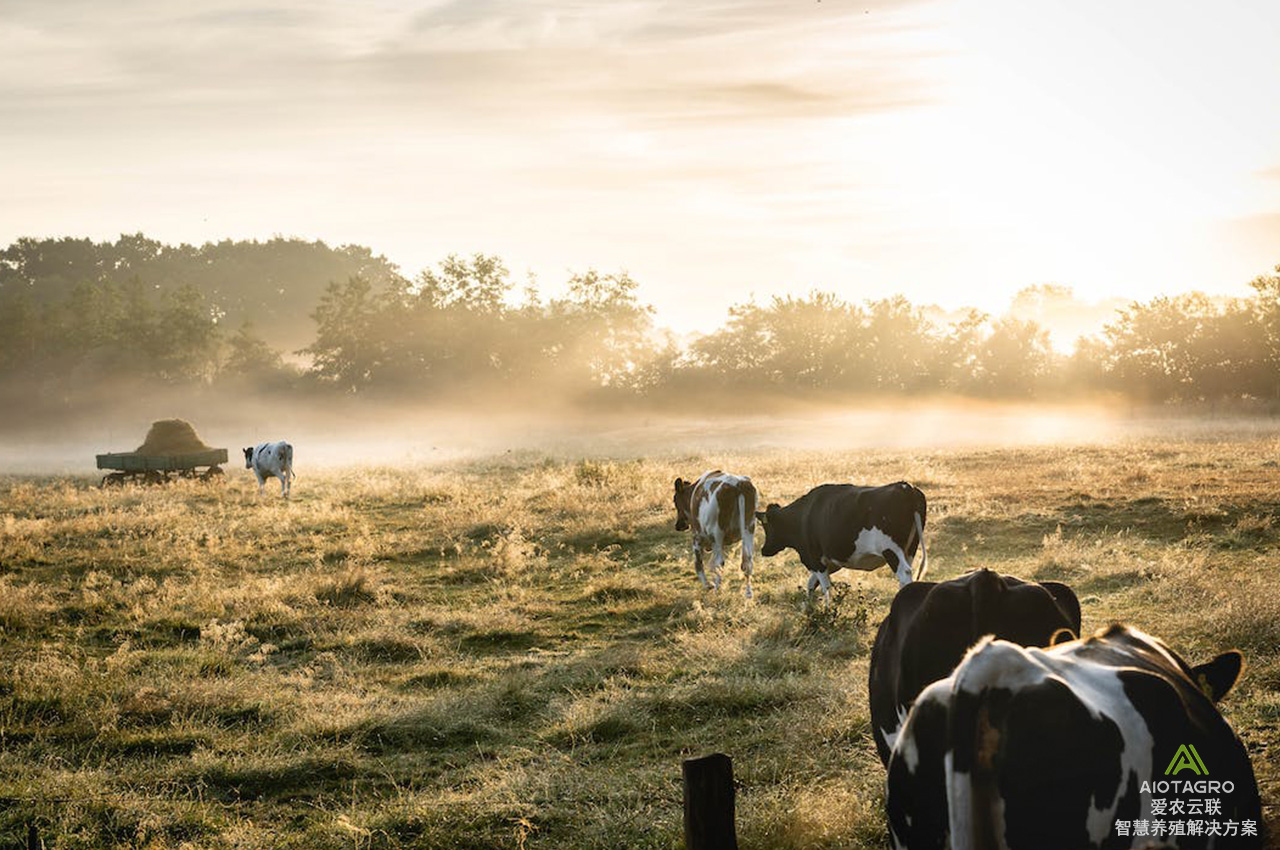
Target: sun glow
{"type": "Point", "coordinates": [951, 151]}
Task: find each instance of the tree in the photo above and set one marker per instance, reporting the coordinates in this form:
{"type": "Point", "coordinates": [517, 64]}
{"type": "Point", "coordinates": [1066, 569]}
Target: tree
{"type": "Point", "coordinates": [954, 364]}
{"type": "Point", "coordinates": [1190, 347]}
{"type": "Point", "coordinates": [186, 336]}
{"type": "Point", "coordinates": [346, 351]}
{"type": "Point", "coordinates": [1150, 347]}
{"type": "Point", "coordinates": [738, 351]}
{"type": "Point", "coordinates": [900, 343]}
{"type": "Point", "coordinates": [250, 357]}
{"type": "Point", "coordinates": [601, 328]}
{"type": "Point", "coordinates": [479, 284]}
{"type": "Point", "coordinates": [1267, 305]}
{"type": "Point", "coordinates": [275, 283]}
{"type": "Point", "coordinates": [1014, 358]}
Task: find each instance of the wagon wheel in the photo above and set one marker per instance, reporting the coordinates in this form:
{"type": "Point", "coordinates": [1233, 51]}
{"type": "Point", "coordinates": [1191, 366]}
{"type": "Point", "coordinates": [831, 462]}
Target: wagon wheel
{"type": "Point", "coordinates": [213, 473]}
{"type": "Point", "coordinates": [113, 479]}
{"type": "Point", "coordinates": [154, 477]}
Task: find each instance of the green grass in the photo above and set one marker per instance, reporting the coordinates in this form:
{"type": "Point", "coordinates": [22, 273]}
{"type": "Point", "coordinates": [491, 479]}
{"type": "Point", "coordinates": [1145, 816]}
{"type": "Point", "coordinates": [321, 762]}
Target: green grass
{"type": "Point", "coordinates": [514, 652]}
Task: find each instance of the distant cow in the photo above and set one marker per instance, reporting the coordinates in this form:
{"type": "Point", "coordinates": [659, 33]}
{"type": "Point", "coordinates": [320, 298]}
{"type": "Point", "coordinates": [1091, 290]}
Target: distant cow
{"type": "Point", "coordinates": [1048, 749]}
{"type": "Point", "coordinates": [931, 625]}
{"type": "Point", "coordinates": [834, 526]}
{"type": "Point", "coordinates": [719, 509]}
{"type": "Point", "coordinates": [269, 460]}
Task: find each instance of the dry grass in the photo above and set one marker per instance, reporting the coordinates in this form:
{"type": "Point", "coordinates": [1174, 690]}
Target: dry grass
{"type": "Point", "coordinates": [172, 436]}
{"type": "Point", "coordinates": [514, 653]}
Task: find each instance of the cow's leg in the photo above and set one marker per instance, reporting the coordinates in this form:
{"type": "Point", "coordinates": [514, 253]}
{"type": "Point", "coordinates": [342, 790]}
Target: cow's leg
{"type": "Point", "coordinates": [697, 562]}
{"type": "Point", "coordinates": [814, 581]}
{"type": "Point", "coordinates": [825, 580]}
{"type": "Point", "coordinates": [284, 485]}
{"type": "Point", "coordinates": [262, 481]}
{"type": "Point", "coordinates": [717, 558]}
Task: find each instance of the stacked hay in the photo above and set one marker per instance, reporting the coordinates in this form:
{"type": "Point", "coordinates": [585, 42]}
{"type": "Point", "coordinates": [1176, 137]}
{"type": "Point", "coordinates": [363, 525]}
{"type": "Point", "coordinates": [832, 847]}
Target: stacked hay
{"type": "Point", "coordinates": [172, 437]}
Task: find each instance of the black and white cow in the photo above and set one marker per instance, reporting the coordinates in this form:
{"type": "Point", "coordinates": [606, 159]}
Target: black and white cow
{"type": "Point", "coordinates": [931, 625]}
{"type": "Point", "coordinates": [719, 510]}
{"type": "Point", "coordinates": [1067, 747]}
{"type": "Point", "coordinates": [834, 526]}
{"type": "Point", "coordinates": [271, 460]}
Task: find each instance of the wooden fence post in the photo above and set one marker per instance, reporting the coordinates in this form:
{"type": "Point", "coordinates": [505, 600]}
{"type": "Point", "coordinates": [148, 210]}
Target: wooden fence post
{"type": "Point", "coordinates": [708, 803]}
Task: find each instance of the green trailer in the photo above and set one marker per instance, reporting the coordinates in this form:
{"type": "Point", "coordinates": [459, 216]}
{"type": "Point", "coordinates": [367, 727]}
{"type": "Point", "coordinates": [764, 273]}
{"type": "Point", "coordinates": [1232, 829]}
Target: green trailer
{"type": "Point", "coordinates": [161, 468]}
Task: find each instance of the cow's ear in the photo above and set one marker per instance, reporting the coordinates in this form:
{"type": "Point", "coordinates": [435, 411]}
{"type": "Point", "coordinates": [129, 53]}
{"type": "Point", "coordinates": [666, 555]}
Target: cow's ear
{"type": "Point", "coordinates": [1062, 636]}
{"type": "Point", "coordinates": [679, 484]}
{"type": "Point", "coordinates": [762, 517]}
{"type": "Point", "coordinates": [1067, 600]}
{"type": "Point", "coordinates": [1215, 678]}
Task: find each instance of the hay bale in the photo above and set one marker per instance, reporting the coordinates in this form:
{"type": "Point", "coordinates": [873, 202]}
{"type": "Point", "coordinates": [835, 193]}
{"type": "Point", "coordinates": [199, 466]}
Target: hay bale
{"type": "Point", "coordinates": [172, 437]}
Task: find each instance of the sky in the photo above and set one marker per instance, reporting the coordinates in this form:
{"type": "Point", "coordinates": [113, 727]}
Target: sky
{"type": "Point", "coordinates": [953, 151]}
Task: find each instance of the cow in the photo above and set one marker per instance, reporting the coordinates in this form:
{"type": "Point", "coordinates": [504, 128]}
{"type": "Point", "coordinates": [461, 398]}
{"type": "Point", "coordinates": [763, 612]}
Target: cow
{"type": "Point", "coordinates": [931, 625]}
{"type": "Point", "coordinates": [271, 460]}
{"type": "Point", "coordinates": [719, 510]}
{"type": "Point", "coordinates": [834, 526]}
{"type": "Point", "coordinates": [1083, 745]}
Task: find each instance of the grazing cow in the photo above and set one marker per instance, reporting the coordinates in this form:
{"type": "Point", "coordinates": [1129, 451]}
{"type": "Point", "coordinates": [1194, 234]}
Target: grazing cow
{"type": "Point", "coordinates": [1084, 745]}
{"type": "Point", "coordinates": [931, 625]}
{"type": "Point", "coordinates": [272, 460]}
{"type": "Point", "coordinates": [719, 509]}
{"type": "Point", "coordinates": [843, 525]}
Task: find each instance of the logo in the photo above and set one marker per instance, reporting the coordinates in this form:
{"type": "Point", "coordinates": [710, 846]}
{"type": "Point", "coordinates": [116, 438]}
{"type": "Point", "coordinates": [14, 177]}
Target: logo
{"type": "Point", "coordinates": [1186, 758]}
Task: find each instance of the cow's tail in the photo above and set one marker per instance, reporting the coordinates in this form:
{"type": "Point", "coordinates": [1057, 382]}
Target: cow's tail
{"type": "Point", "coordinates": [975, 727]}
{"type": "Point", "coordinates": [746, 517]}
{"type": "Point", "coordinates": [973, 797]}
{"type": "Point", "coordinates": [986, 588]}
{"type": "Point", "coordinates": [924, 555]}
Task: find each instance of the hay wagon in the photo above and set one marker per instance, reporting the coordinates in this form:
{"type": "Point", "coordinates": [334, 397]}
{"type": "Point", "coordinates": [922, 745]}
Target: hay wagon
{"type": "Point", "coordinates": [161, 468]}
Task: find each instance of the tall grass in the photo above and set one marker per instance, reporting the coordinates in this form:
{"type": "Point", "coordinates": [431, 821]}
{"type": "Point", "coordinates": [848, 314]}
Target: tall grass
{"type": "Point", "coordinates": [514, 652]}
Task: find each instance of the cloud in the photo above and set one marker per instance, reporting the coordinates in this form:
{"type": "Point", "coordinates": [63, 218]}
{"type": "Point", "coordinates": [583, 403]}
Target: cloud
{"type": "Point", "coordinates": [1256, 235]}
{"type": "Point", "coordinates": [649, 61]}
{"type": "Point", "coordinates": [554, 132]}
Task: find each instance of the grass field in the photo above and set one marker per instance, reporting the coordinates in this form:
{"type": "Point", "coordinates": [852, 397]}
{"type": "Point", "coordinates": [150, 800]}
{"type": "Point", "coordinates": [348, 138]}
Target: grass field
{"type": "Point", "coordinates": [513, 653]}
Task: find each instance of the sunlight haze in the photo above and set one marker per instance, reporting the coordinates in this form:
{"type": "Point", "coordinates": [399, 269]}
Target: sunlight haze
{"type": "Point", "coordinates": [954, 152]}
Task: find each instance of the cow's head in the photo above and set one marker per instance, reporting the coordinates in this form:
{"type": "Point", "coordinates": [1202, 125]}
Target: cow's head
{"type": "Point", "coordinates": [775, 535]}
{"type": "Point", "coordinates": [1214, 678]}
{"type": "Point", "coordinates": [683, 499]}
{"type": "Point", "coordinates": [248, 458]}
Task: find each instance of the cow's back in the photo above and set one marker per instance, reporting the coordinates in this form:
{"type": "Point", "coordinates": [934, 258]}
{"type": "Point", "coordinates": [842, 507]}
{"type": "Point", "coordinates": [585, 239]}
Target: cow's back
{"type": "Point", "coordinates": [1047, 749]}
{"type": "Point", "coordinates": [838, 513]}
{"type": "Point", "coordinates": [831, 516]}
{"type": "Point", "coordinates": [930, 627]}
{"type": "Point", "coordinates": [273, 458]}
{"type": "Point", "coordinates": [722, 502]}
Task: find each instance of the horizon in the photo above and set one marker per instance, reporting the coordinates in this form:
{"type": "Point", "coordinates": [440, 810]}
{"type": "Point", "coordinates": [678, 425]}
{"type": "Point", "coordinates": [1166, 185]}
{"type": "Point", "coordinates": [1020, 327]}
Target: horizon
{"type": "Point", "coordinates": [953, 152]}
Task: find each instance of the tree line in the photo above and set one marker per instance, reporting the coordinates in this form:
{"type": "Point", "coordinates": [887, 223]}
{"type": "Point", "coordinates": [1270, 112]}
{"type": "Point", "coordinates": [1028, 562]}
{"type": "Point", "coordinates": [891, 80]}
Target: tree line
{"type": "Point", "coordinates": [294, 316]}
